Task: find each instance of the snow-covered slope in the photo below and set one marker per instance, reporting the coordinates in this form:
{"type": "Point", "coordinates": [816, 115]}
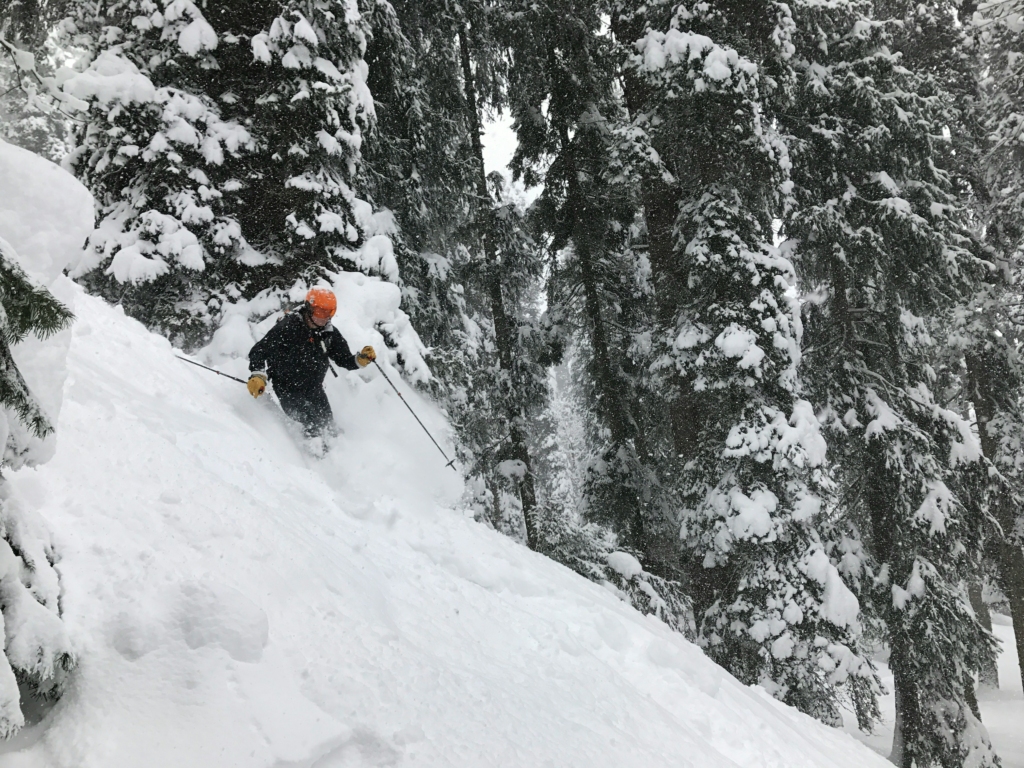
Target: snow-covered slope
{"type": "Point", "coordinates": [235, 603]}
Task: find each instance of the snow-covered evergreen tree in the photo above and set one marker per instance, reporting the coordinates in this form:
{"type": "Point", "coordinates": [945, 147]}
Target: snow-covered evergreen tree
{"type": "Point", "coordinates": [418, 162]}
{"type": "Point", "coordinates": [771, 605]}
{"type": "Point", "coordinates": [505, 387]}
{"type": "Point", "coordinates": [37, 651]}
{"type": "Point", "coordinates": [223, 147]}
{"type": "Point", "coordinates": [29, 118]}
{"type": "Point", "coordinates": [27, 308]}
{"type": "Point", "coordinates": [991, 319]}
{"type": "Point", "coordinates": [883, 255]}
{"type": "Point", "coordinates": [564, 100]}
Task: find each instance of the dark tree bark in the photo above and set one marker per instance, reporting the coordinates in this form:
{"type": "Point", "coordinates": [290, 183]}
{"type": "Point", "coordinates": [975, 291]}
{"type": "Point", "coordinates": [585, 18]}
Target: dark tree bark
{"type": "Point", "coordinates": [616, 409]}
{"type": "Point", "coordinates": [907, 716]}
{"type": "Point", "coordinates": [882, 489]}
{"type": "Point", "coordinates": [988, 675]}
{"type": "Point", "coordinates": [988, 387]}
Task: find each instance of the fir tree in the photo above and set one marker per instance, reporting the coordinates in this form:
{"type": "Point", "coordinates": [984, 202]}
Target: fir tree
{"type": "Point", "coordinates": [418, 161]}
{"type": "Point", "coordinates": [563, 98]}
{"type": "Point", "coordinates": [36, 649]}
{"type": "Point", "coordinates": [419, 164]}
{"type": "Point", "coordinates": [771, 605]}
{"type": "Point", "coordinates": [883, 257]}
{"type": "Point", "coordinates": [504, 280]}
{"type": "Point", "coordinates": [223, 149]}
{"type": "Point", "coordinates": [27, 308]}
{"type": "Point", "coordinates": [992, 318]}
{"type": "Point", "coordinates": [29, 116]}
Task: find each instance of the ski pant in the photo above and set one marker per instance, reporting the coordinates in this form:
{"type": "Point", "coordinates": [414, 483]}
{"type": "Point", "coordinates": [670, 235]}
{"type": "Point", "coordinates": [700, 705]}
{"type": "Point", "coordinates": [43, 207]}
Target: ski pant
{"type": "Point", "coordinates": [310, 409]}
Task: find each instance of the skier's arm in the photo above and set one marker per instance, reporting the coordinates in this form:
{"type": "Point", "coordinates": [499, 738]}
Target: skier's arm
{"type": "Point", "coordinates": [340, 353]}
{"type": "Point", "coordinates": [259, 358]}
{"type": "Point", "coordinates": [258, 355]}
{"type": "Point", "coordinates": [265, 349]}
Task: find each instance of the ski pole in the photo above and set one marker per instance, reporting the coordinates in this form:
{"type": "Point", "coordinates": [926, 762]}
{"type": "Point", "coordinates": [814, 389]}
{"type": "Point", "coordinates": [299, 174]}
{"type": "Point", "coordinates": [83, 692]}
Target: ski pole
{"type": "Point", "coordinates": [213, 370]}
{"type": "Point", "coordinates": [451, 463]}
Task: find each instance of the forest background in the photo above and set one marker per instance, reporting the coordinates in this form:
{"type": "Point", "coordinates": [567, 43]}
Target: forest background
{"type": "Point", "coordinates": [750, 351]}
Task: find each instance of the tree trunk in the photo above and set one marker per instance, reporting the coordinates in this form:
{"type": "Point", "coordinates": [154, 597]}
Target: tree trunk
{"type": "Point", "coordinates": [504, 328]}
{"type": "Point", "coordinates": [885, 537]}
{"type": "Point", "coordinates": [987, 388]}
{"type": "Point", "coordinates": [615, 408]}
{"type": "Point", "coordinates": [896, 756]}
{"type": "Point", "coordinates": [988, 675]}
{"type": "Point", "coordinates": [908, 715]}
{"type": "Point", "coordinates": [1011, 558]}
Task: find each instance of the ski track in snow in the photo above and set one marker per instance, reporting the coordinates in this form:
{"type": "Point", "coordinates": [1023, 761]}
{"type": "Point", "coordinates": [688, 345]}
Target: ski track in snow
{"type": "Point", "coordinates": [235, 602]}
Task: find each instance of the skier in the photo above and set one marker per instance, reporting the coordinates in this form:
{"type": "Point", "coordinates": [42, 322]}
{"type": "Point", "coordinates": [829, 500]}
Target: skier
{"type": "Point", "coordinates": [296, 353]}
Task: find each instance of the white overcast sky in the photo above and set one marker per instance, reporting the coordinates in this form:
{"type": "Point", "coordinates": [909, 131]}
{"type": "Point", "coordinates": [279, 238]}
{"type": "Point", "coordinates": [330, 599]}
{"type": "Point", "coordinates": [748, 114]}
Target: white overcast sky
{"type": "Point", "coordinates": [499, 142]}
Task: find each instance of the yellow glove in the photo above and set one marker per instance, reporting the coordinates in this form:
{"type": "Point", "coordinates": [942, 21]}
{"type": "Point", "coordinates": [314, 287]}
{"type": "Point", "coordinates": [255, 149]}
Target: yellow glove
{"type": "Point", "coordinates": [257, 384]}
{"type": "Point", "coordinates": [366, 356]}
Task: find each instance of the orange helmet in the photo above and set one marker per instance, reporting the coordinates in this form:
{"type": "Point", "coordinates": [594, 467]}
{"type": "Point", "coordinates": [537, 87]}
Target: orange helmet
{"type": "Point", "coordinates": [322, 303]}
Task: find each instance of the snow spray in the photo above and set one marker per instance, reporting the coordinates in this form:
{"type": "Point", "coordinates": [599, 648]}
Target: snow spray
{"type": "Point", "coordinates": [451, 462]}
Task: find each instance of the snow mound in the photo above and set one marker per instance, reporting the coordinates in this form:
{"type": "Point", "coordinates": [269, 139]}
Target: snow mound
{"type": "Point", "coordinates": [237, 603]}
{"type": "Point", "coordinates": [45, 216]}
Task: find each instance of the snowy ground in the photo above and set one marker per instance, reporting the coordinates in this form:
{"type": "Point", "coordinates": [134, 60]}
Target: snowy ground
{"type": "Point", "coordinates": [1002, 711]}
{"type": "Point", "coordinates": [236, 603]}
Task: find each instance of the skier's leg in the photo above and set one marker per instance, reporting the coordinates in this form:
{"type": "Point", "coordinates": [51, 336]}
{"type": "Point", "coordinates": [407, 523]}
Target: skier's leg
{"type": "Point", "coordinates": [299, 406]}
{"type": "Point", "coordinates": [321, 414]}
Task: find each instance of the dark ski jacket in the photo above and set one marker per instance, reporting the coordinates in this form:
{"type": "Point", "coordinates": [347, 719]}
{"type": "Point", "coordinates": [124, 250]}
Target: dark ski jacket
{"type": "Point", "coordinates": [295, 356]}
